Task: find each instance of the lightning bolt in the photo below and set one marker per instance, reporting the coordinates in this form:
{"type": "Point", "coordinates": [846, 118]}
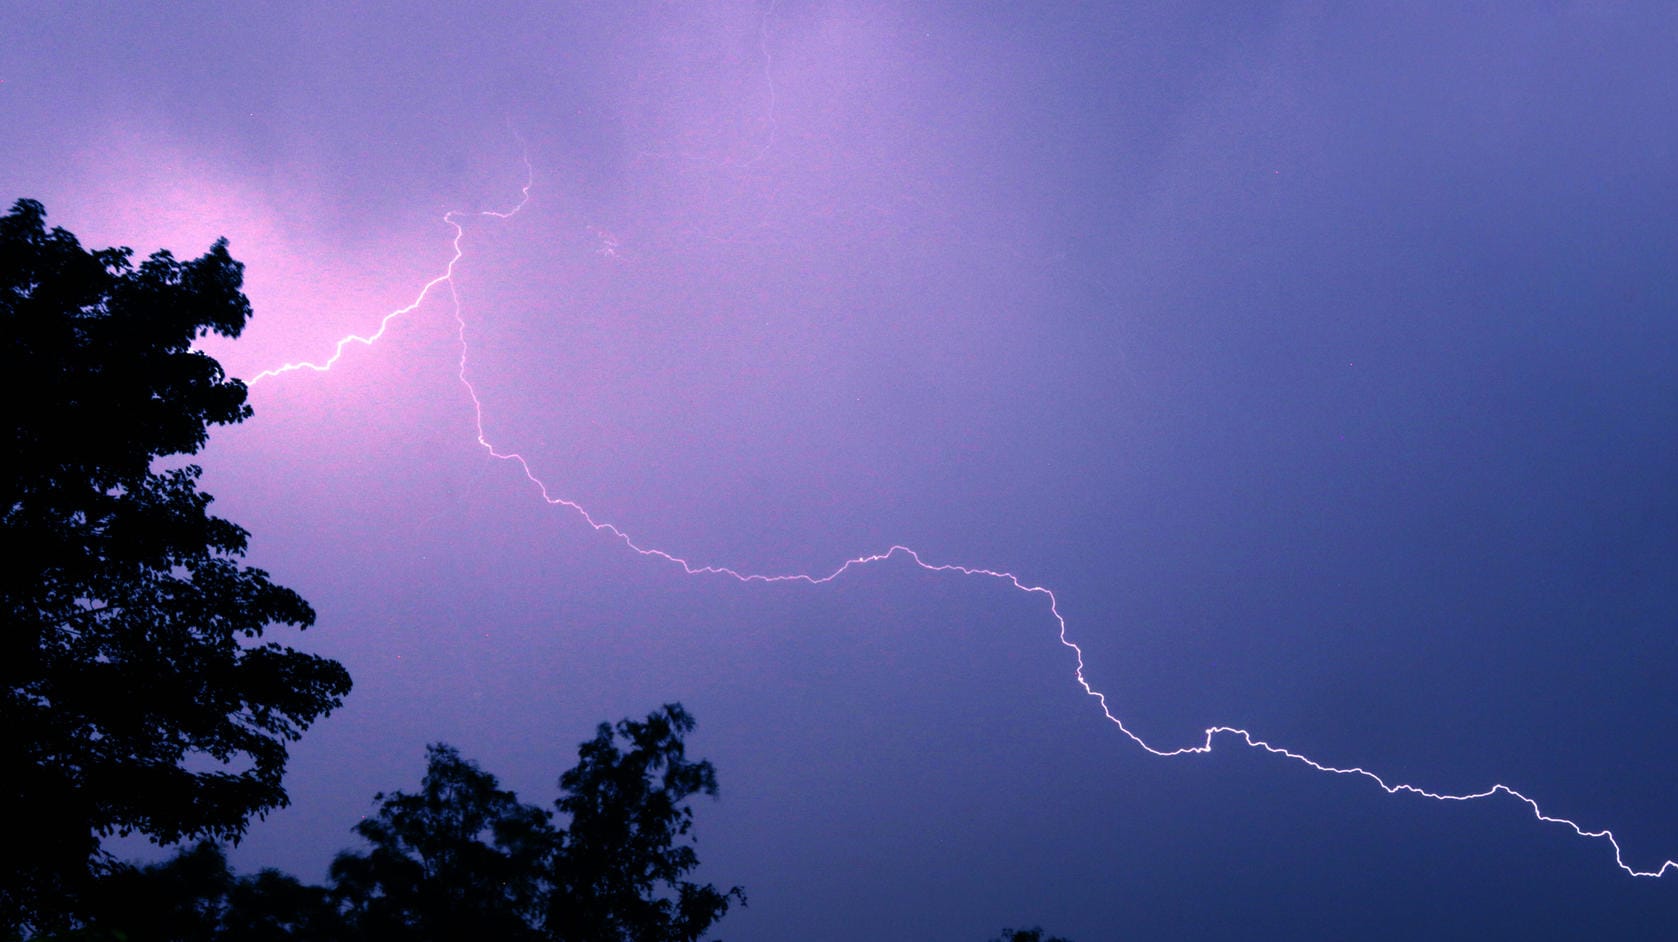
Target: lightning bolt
{"type": "Point", "coordinates": [452, 218]}
{"type": "Point", "coordinates": [1212, 736]}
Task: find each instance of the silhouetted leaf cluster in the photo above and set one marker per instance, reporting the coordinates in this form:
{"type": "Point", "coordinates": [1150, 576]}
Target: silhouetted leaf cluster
{"type": "Point", "coordinates": [1034, 934]}
{"type": "Point", "coordinates": [136, 693]}
{"type": "Point", "coordinates": [627, 821]}
{"type": "Point", "coordinates": [457, 858]}
{"type": "Point", "coordinates": [462, 858]}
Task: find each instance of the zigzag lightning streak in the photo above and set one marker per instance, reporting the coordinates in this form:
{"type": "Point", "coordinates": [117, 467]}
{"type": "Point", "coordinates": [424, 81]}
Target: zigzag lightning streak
{"type": "Point", "coordinates": [453, 220]}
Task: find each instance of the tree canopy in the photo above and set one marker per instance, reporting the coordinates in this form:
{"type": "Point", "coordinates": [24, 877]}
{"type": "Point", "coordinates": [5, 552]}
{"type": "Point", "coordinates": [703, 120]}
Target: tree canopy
{"type": "Point", "coordinates": [136, 690]}
{"type": "Point", "coordinates": [460, 858]}
{"type": "Point", "coordinates": [621, 862]}
{"type": "Point", "coordinates": [1034, 934]}
{"type": "Point", "coordinates": [463, 858]}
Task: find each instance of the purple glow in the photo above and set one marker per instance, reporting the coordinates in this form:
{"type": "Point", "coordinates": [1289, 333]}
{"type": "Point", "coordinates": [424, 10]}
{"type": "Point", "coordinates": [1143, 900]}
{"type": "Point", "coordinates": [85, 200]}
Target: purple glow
{"type": "Point", "coordinates": [693, 569]}
{"type": "Point", "coordinates": [1322, 360]}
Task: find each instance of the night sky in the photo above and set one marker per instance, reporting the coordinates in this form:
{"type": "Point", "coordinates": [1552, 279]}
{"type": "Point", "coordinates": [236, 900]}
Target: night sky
{"type": "Point", "coordinates": [1322, 359]}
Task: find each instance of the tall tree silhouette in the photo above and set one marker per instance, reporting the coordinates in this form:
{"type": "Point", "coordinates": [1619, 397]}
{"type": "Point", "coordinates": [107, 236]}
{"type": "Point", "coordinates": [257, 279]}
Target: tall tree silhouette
{"type": "Point", "coordinates": [620, 866]}
{"type": "Point", "coordinates": [136, 692]}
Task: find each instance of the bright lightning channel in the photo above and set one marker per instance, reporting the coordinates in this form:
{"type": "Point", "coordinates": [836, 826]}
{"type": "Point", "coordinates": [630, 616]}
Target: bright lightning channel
{"type": "Point", "coordinates": [454, 220]}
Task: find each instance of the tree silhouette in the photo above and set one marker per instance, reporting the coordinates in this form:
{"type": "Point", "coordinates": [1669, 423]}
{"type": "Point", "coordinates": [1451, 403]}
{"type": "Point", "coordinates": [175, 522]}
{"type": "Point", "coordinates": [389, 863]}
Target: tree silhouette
{"type": "Point", "coordinates": [460, 858]}
{"type": "Point", "coordinates": [619, 867]}
{"type": "Point", "coordinates": [195, 897]}
{"type": "Point", "coordinates": [179, 900]}
{"type": "Point", "coordinates": [136, 693]}
{"type": "Point", "coordinates": [1034, 934]}
{"type": "Point", "coordinates": [273, 907]}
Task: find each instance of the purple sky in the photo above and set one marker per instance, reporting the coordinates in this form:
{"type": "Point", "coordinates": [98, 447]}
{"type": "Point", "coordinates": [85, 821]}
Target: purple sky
{"type": "Point", "coordinates": [1322, 359]}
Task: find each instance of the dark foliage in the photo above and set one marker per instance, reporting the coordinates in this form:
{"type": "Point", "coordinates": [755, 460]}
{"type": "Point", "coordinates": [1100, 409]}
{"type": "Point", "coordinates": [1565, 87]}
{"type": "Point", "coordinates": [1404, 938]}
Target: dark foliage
{"type": "Point", "coordinates": [460, 858]}
{"type": "Point", "coordinates": [135, 692]}
{"type": "Point", "coordinates": [195, 897]}
{"type": "Point", "coordinates": [180, 899]}
{"type": "Point", "coordinates": [620, 864]}
{"type": "Point", "coordinates": [1027, 935]}
{"type": "Point", "coordinates": [274, 906]}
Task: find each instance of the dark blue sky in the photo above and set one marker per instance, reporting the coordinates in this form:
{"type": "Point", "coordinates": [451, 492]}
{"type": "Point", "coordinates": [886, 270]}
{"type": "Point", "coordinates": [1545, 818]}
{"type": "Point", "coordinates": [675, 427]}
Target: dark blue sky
{"type": "Point", "coordinates": [1322, 359]}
